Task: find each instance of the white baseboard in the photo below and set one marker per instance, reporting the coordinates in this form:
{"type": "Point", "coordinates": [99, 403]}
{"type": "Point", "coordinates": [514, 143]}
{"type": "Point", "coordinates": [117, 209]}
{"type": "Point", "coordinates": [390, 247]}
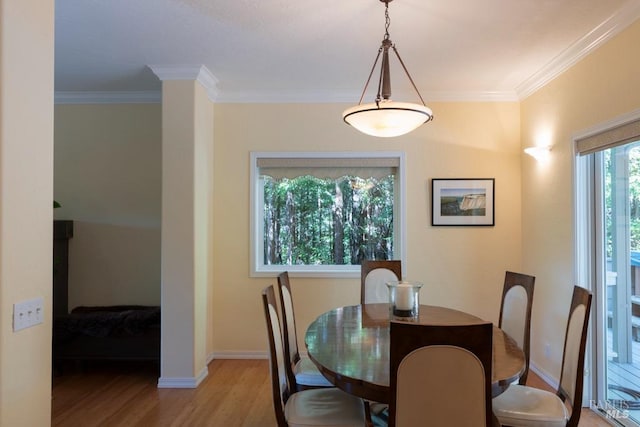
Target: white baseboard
{"type": "Point", "coordinates": [237, 355]}
{"type": "Point", "coordinates": [183, 382]}
{"type": "Point", "coordinates": [193, 382]}
{"type": "Point", "coordinates": [546, 377]}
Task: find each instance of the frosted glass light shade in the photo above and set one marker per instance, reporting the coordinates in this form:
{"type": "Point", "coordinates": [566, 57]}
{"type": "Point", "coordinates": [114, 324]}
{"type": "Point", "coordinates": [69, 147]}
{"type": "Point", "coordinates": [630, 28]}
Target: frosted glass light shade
{"type": "Point", "coordinates": [539, 153]}
{"type": "Point", "coordinates": [387, 118]}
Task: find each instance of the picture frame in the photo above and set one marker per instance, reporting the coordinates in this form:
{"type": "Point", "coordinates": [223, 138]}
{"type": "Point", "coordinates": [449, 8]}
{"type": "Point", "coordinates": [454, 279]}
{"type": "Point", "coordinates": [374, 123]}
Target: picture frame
{"type": "Point", "coordinates": [463, 202]}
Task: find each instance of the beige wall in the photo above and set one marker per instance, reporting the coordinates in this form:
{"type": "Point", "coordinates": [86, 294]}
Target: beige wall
{"type": "Point", "coordinates": [462, 267]}
{"type": "Point", "coordinates": [458, 265]}
{"type": "Point", "coordinates": [108, 180]}
{"type": "Point", "coordinates": [601, 87]}
{"type": "Point", "coordinates": [26, 193]}
{"type": "Point", "coordinates": [113, 264]}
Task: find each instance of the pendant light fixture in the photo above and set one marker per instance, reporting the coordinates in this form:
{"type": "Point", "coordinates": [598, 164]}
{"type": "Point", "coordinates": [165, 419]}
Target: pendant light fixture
{"type": "Point", "coordinates": [384, 117]}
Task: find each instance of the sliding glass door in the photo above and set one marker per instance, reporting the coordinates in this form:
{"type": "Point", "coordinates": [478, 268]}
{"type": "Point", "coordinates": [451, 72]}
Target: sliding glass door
{"type": "Point", "coordinates": [609, 257]}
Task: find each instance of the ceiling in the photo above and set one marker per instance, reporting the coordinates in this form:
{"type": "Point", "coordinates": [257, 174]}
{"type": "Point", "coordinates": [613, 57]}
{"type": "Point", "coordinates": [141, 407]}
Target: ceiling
{"type": "Point", "coordinates": [311, 51]}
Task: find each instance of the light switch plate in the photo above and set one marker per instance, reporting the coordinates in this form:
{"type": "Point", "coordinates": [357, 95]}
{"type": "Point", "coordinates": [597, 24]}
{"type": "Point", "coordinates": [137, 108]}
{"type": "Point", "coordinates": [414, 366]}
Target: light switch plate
{"type": "Point", "coordinates": [28, 313]}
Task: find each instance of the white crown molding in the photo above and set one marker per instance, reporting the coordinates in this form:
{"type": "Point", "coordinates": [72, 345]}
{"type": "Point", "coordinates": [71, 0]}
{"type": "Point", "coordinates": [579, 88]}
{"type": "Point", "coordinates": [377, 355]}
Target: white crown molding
{"type": "Point", "coordinates": [617, 22]}
{"type": "Point", "coordinates": [324, 97]}
{"type": "Point", "coordinates": [285, 97]}
{"type": "Point", "coordinates": [123, 97]}
{"type": "Point", "coordinates": [155, 97]}
{"type": "Point", "coordinates": [199, 73]}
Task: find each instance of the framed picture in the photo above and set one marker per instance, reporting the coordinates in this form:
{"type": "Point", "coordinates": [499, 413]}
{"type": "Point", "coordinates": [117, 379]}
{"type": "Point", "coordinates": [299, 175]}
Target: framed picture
{"type": "Point", "coordinates": [462, 201]}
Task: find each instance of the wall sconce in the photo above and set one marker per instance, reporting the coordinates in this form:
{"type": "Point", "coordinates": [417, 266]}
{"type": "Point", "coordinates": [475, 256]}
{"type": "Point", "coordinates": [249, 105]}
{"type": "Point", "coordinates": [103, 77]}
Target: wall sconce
{"type": "Point", "coordinates": [538, 153]}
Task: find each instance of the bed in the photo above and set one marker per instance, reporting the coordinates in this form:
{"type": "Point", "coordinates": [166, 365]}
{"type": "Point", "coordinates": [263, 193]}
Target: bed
{"type": "Point", "coordinates": [123, 332]}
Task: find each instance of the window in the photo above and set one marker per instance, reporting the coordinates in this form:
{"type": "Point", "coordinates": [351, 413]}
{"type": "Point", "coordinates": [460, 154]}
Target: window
{"type": "Point", "coordinates": [607, 250]}
{"type": "Point", "coordinates": [320, 214]}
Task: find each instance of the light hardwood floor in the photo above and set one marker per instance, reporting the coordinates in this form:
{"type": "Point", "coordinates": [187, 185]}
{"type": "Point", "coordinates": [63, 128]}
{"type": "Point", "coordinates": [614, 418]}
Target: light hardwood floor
{"type": "Point", "coordinates": [235, 393]}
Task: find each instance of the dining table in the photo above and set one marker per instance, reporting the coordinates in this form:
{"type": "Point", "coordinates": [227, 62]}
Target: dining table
{"type": "Point", "coordinates": [350, 347]}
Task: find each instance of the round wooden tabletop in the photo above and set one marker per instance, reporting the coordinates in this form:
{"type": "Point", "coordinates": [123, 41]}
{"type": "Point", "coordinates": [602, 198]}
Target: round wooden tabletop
{"type": "Point", "coordinates": [350, 346]}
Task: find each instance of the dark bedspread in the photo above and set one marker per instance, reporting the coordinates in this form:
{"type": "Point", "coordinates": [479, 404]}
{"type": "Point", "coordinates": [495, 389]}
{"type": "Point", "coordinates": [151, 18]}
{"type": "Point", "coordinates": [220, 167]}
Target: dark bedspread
{"type": "Point", "coordinates": [105, 321]}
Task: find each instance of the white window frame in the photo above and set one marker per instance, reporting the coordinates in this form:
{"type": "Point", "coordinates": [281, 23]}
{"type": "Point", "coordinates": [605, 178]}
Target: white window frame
{"type": "Point", "coordinates": [256, 228]}
{"type": "Point", "coordinates": [588, 242]}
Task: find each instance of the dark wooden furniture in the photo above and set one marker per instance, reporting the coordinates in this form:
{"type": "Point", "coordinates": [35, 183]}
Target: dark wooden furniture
{"type": "Point", "coordinates": [301, 371]}
{"type": "Point", "coordinates": [290, 338]}
{"type": "Point", "coordinates": [326, 406]}
{"type": "Point", "coordinates": [350, 346]}
{"type": "Point", "coordinates": [522, 405]}
{"type": "Point", "coordinates": [367, 266]}
{"type": "Point", "coordinates": [515, 312]}
{"type": "Point", "coordinates": [434, 368]}
{"type": "Point", "coordinates": [62, 232]}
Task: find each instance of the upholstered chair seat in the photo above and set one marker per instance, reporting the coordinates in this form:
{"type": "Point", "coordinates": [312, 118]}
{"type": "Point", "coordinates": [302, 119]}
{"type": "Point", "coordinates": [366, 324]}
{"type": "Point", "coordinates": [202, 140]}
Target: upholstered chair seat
{"type": "Point", "coordinates": [324, 407]}
{"type": "Point", "coordinates": [529, 407]}
{"type": "Point", "coordinates": [307, 374]}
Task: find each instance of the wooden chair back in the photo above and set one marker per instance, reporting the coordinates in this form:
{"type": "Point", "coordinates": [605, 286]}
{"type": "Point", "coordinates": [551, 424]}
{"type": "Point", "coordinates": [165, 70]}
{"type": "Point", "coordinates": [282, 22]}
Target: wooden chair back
{"type": "Point", "coordinates": [291, 352]}
{"type": "Point", "coordinates": [515, 312]}
{"type": "Point", "coordinates": [279, 382]}
{"type": "Point", "coordinates": [575, 342]}
{"type": "Point", "coordinates": [373, 278]}
{"type": "Point", "coordinates": [440, 373]}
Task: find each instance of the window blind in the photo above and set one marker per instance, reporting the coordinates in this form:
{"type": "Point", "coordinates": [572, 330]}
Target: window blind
{"type": "Point", "coordinates": [328, 167]}
{"type": "Point", "coordinates": [619, 135]}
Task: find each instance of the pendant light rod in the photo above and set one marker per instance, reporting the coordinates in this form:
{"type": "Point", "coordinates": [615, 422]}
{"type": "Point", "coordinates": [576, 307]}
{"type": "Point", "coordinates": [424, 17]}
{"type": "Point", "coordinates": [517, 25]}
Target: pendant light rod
{"type": "Point", "coordinates": [384, 82]}
{"type": "Point", "coordinates": [366, 85]}
{"type": "Point", "coordinates": [408, 75]}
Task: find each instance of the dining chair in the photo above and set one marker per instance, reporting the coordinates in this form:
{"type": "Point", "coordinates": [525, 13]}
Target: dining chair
{"type": "Point", "coordinates": [301, 371]}
{"type": "Point", "coordinates": [525, 406]}
{"type": "Point", "coordinates": [440, 375]}
{"type": "Point", "coordinates": [515, 312]}
{"type": "Point", "coordinates": [315, 407]}
{"type": "Point", "coordinates": [373, 278]}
